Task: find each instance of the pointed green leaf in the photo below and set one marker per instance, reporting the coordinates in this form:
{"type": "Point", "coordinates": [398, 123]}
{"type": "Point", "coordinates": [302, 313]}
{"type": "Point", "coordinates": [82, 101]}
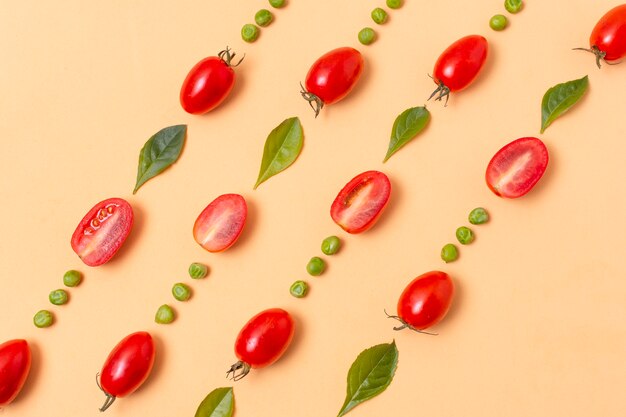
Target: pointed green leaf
{"type": "Point", "coordinates": [370, 374]}
{"type": "Point", "coordinates": [159, 152]}
{"type": "Point", "coordinates": [219, 403]}
{"type": "Point", "coordinates": [406, 127]}
{"type": "Point", "coordinates": [282, 147]}
{"type": "Point", "coordinates": [560, 99]}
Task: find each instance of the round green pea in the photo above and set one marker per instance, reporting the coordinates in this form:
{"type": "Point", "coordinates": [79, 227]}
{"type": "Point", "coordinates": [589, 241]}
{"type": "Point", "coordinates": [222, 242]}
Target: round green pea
{"type": "Point", "coordinates": [478, 216]}
{"type": "Point", "coordinates": [249, 32]}
{"type": "Point", "coordinates": [498, 22]}
{"type": "Point", "coordinates": [299, 289]}
{"type": "Point", "coordinates": [331, 245]}
{"type": "Point", "coordinates": [43, 318]}
{"type": "Point", "coordinates": [58, 297]}
{"type": "Point", "coordinates": [367, 36]}
{"type": "Point", "coordinates": [198, 270]}
{"type": "Point", "coordinates": [449, 253]}
{"type": "Point", "coordinates": [263, 17]}
{"type": "Point", "coordinates": [315, 266]}
{"type": "Point", "coordinates": [277, 3]}
{"type": "Point", "coordinates": [379, 16]}
{"type": "Point", "coordinates": [513, 6]}
{"type": "Point", "coordinates": [464, 235]}
{"type": "Point", "coordinates": [164, 315]}
{"type": "Point", "coordinates": [181, 291]}
{"type": "Point", "coordinates": [394, 4]}
{"type": "Point", "coordinates": [72, 278]}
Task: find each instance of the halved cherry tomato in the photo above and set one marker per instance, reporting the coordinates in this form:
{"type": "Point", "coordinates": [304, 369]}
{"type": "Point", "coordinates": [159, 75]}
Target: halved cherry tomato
{"type": "Point", "coordinates": [515, 169]}
{"type": "Point", "coordinates": [262, 340]}
{"type": "Point", "coordinates": [15, 360]}
{"type": "Point", "coordinates": [332, 77]}
{"type": "Point", "coordinates": [127, 367]}
{"type": "Point", "coordinates": [102, 231]}
{"type": "Point", "coordinates": [219, 225]}
{"type": "Point", "coordinates": [608, 38]}
{"type": "Point", "coordinates": [425, 301]}
{"type": "Point", "coordinates": [459, 65]}
{"type": "Point", "coordinates": [361, 201]}
{"type": "Point", "coordinates": [208, 83]}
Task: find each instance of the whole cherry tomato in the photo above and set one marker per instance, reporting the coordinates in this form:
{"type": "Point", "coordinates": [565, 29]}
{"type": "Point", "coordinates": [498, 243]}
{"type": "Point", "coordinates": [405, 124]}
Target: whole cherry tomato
{"type": "Point", "coordinates": [15, 362]}
{"type": "Point", "coordinates": [102, 231]}
{"type": "Point", "coordinates": [262, 341]}
{"type": "Point", "coordinates": [127, 367]}
{"type": "Point", "coordinates": [608, 38]}
{"type": "Point", "coordinates": [219, 225]}
{"type": "Point", "coordinates": [208, 83]}
{"type": "Point", "coordinates": [459, 65]}
{"type": "Point", "coordinates": [332, 77]}
{"type": "Point", "coordinates": [425, 301]}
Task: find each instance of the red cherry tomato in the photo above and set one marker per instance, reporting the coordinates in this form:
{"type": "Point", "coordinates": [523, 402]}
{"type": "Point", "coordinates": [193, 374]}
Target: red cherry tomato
{"type": "Point", "coordinates": [332, 77]}
{"type": "Point", "coordinates": [208, 83]}
{"type": "Point", "coordinates": [425, 301]}
{"type": "Point", "coordinates": [15, 362]}
{"type": "Point", "coordinates": [459, 65]}
{"type": "Point", "coordinates": [219, 225]}
{"type": "Point", "coordinates": [361, 201]}
{"type": "Point", "coordinates": [608, 38]}
{"type": "Point", "coordinates": [127, 367]}
{"type": "Point", "coordinates": [515, 169]}
{"type": "Point", "coordinates": [262, 341]}
{"type": "Point", "coordinates": [102, 231]}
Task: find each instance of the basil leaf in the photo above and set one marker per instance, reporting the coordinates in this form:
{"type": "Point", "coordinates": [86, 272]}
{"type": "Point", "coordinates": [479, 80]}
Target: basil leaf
{"type": "Point", "coordinates": [159, 152]}
{"type": "Point", "coordinates": [370, 374]}
{"type": "Point", "coordinates": [219, 403]}
{"type": "Point", "coordinates": [282, 147]}
{"type": "Point", "coordinates": [407, 125]}
{"type": "Point", "coordinates": [560, 99]}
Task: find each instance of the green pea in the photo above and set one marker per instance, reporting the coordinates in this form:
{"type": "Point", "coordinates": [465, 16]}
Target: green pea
{"type": "Point", "coordinates": [513, 6]}
{"type": "Point", "coordinates": [498, 22]}
{"type": "Point", "coordinates": [58, 297]}
{"type": "Point", "coordinates": [449, 253]}
{"type": "Point", "coordinates": [263, 17]}
{"type": "Point", "coordinates": [478, 216]}
{"type": "Point", "coordinates": [181, 291]}
{"type": "Point", "coordinates": [249, 32]}
{"type": "Point", "coordinates": [164, 315]}
{"type": "Point", "coordinates": [394, 4]}
{"type": "Point", "coordinates": [198, 270]}
{"type": "Point", "coordinates": [299, 289]}
{"type": "Point", "coordinates": [367, 36]}
{"type": "Point", "coordinates": [43, 318]}
{"type": "Point", "coordinates": [331, 245]}
{"type": "Point", "coordinates": [315, 266]}
{"type": "Point", "coordinates": [464, 235]}
{"type": "Point", "coordinates": [379, 16]}
{"type": "Point", "coordinates": [72, 278]}
{"type": "Point", "coordinates": [277, 3]}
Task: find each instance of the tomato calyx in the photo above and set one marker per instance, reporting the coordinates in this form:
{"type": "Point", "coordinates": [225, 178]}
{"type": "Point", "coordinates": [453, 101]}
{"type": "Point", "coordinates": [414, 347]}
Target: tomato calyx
{"type": "Point", "coordinates": [442, 90]}
{"type": "Point", "coordinates": [598, 53]}
{"type": "Point", "coordinates": [227, 57]}
{"type": "Point", "coordinates": [109, 400]}
{"type": "Point", "coordinates": [239, 370]}
{"type": "Point", "coordinates": [315, 102]}
{"type": "Point", "coordinates": [406, 325]}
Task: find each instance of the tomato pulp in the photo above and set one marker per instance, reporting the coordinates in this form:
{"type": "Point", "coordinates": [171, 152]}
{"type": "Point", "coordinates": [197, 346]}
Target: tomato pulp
{"type": "Point", "coordinates": [608, 38]}
{"type": "Point", "coordinates": [15, 360]}
{"type": "Point", "coordinates": [360, 202]}
{"type": "Point", "coordinates": [102, 231]}
{"type": "Point", "coordinates": [219, 225]}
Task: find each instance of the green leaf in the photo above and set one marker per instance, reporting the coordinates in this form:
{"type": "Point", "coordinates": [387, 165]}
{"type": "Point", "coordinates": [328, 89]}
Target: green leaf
{"type": "Point", "coordinates": [560, 99]}
{"type": "Point", "coordinates": [219, 403]}
{"type": "Point", "coordinates": [370, 374]}
{"type": "Point", "coordinates": [406, 127]}
{"type": "Point", "coordinates": [159, 152]}
{"type": "Point", "coordinates": [282, 147]}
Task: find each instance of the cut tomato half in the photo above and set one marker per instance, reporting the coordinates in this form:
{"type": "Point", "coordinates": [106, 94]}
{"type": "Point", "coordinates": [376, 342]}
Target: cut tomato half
{"type": "Point", "coordinates": [219, 225]}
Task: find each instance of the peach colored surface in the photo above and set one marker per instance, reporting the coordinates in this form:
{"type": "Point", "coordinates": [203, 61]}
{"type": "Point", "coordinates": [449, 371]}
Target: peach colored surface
{"type": "Point", "coordinates": [537, 327]}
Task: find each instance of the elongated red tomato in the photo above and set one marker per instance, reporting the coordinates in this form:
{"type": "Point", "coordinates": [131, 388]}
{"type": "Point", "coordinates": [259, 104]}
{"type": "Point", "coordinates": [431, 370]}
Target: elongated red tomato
{"type": "Point", "coordinates": [102, 231]}
{"type": "Point", "coordinates": [15, 360]}
{"type": "Point", "coordinates": [127, 367]}
{"type": "Point", "coordinates": [219, 225]}
{"type": "Point", "coordinates": [361, 201]}
{"type": "Point", "coordinates": [208, 83]}
{"type": "Point", "coordinates": [608, 38]}
{"type": "Point", "coordinates": [332, 77]}
{"type": "Point", "coordinates": [517, 167]}
{"type": "Point", "coordinates": [262, 341]}
{"type": "Point", "coordinates": [459, 65]}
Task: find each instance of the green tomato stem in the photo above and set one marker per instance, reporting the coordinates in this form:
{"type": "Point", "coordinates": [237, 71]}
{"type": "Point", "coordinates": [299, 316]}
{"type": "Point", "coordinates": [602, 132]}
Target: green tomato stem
{"type": "Point", "coordinates": [406, 325]}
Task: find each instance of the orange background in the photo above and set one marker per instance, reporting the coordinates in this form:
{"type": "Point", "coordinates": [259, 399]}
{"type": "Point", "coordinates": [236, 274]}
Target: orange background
{"type": "Point", "coordinates": [537, 326]}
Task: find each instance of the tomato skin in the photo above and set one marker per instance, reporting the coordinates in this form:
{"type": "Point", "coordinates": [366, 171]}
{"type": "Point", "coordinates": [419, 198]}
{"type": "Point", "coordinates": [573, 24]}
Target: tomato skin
{"type": "Point", "coordinates": [426, 300]}
{"type": "Point", "coordinates": [517, 167]}
{"type": "Point", "coordinates": [220, 224]}
{"type": "Point", "coordinates": [461, 62]}
{"type": "Point", "coordinates": [15, 361]}
{"type": "Point", "coordinates": [208, 83]}
{"type": "Point", "coordinates": [361, 201]}
{"type": "Point", "coordinates": [102, 231]}
{"type": "Point", "coordinates": [609, 34]}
